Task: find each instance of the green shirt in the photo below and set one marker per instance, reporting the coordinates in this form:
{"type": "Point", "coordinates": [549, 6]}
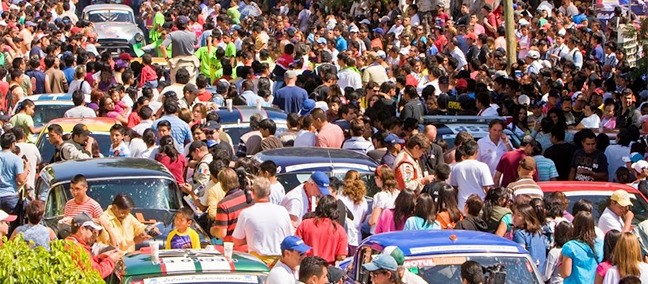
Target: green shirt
{"type": "Point", "coordinates": [235, 14]}
{"type": "Point", "coordinates": [23, 121]}
{"type": "Point", "coordinates": [205, 60]}
{"type": "Point", "coordinates": [158, 21]}
{"type": "Point", "coordinates": [230, 50]}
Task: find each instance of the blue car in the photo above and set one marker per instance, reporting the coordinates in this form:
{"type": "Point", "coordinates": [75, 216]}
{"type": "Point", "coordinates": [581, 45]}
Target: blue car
{"type": "Point", "coordinates": [296, 164]}
{"type": "Point", "coordinates": [151, 186]}
{"type": "Point", "coordinates": [237, 121]}
{"type": "Point", "coordinates": [437, 255]}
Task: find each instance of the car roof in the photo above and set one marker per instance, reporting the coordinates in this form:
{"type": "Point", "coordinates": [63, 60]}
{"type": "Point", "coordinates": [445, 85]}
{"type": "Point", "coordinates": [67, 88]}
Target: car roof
{"type": "Point", "coordinates": [139, 263]}
{"type": "Point", "coordinates": [104, 168]}
{"type": "Point", "coordinates": [95, 7]}
{"type": "Point", "coordinates": [96, 124]}
{"type": "Point", "coordinates": [435, 242]}
{"type": "Point", "coordinates": [573, 186]}
{"type": "Point", "coordinates": [51, 97]}
{"type": "Point", "coordinates": [242, 114]}
{"type": "Point", "coordinates": [296, 159]}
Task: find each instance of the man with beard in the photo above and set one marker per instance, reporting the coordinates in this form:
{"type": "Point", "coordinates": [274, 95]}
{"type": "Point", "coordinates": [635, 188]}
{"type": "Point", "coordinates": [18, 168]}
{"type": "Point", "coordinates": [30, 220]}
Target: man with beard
{"type": "Point", "coordinates": [79, 146]}
{"type": "Point", "coordinates": [84, 235]}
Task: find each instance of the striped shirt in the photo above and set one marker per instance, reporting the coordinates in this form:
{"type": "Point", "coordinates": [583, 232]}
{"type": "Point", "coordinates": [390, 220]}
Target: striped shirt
{"type": "Point", "coordinates": [546, 168]}
{"type": "Point", "coordinates": [358, 144]}
{"type": "Point", "coordinates": [525, 186]}
{"type": "Point", "coordinates": [228, 211]}
{"type": "Point", "coordinates": [90, 206]}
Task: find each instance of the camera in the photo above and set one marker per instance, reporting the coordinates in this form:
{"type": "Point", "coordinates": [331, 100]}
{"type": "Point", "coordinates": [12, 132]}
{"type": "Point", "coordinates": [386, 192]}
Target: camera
{"type": "Point", "coordinates": [494, 274]}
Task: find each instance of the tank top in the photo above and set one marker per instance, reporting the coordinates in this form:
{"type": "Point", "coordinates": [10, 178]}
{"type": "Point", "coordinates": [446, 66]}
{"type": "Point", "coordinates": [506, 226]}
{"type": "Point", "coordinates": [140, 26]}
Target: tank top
{"type": "Point", "coordinates": [38, 234]}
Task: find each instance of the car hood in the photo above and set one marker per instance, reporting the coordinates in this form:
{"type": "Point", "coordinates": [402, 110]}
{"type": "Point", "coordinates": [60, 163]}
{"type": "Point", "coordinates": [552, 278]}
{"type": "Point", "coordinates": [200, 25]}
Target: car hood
{"type": "Point", "coordinates": [113, 30]}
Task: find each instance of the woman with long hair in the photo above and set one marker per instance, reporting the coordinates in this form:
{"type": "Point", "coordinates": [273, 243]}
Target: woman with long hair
{"type": "Point", "coordinates": [610, 241]}
{"type": "Point", "coordinates": [447, 209]}
{"type": "Point", "coordinates": [168, 155]}
{"type": "Point", "coordinates": [627, 260]}
{"type": "Point", "coordinates": [133, 117]}
{"type": "Point", "coordinates": [199, 114]}
{"type": "Point", "coordinates": [520, 121]}
{"type": "Point", "coordinates": [107, 109]}
{"type": "Point", "coordinates": [326, 237]}
{"type": "Point", "coordinates": [497, 214]}
{"type": "Point", "coordinates": [394, 219]}
{"type": "Point", "coordinates": [385, 199]}
{"type": "Point", "coordinates": [424, 217]}
{"type": "Point", "coordinates": [562, 234]}
{"type": "Point", "coordinates": [353, 197]}
{"type": "Point", "coordinates": [529, 234]}
{"type": "Point", "coordinates": [581, 255]}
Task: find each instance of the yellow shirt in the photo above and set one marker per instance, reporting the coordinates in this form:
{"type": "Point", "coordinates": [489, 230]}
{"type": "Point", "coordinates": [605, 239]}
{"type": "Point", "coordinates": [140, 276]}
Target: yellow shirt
{"type": "Point", "coordinates": [186, 240]}
{"type": "Point", "coordinates": [126, 230]}
{"type": "Point", "coordinates": [215, 194]}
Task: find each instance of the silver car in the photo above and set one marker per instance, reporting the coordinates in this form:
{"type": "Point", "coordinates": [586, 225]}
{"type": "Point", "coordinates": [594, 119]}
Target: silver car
{"type": "Point", "coordinates": [115, 27]}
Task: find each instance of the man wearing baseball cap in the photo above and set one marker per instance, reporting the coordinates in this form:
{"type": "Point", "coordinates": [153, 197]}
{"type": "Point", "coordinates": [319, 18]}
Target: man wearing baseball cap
{"type": "Point", "coordinates": [617, 216]}
{"type": "Point", "coordinates": [5, 219]}
{"type": "Point", "coordinates": [405, 275]}
{"type": "Point", "coordinates": [383, 269]}
{"type": "Point", "coordinates": [298, 201]}
{"type": "Point", "coordinates": [84, 233]}
{"type": "Point", "coordinates": [79, 146]}
{"type": "Point", "coordinates": [293, 250]}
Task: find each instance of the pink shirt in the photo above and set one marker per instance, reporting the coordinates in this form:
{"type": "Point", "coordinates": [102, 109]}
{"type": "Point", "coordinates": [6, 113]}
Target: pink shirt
{"type": "Point", "coordinates": [602, 268]}
{"type": "Point", "coordinates": [386, 222]}
{"type": "Point", "coordinates": [330, 136]}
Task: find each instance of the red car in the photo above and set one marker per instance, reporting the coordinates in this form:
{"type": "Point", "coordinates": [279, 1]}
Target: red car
{"type": "Point", "coordinates": [599, 194]}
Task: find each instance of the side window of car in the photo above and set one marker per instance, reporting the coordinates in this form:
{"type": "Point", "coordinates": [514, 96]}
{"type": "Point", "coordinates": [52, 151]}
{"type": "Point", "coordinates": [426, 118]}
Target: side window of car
{"type": "Point", "coordinates": [56, 200]}
{"type": "Point", "coordinates": [365, 255]}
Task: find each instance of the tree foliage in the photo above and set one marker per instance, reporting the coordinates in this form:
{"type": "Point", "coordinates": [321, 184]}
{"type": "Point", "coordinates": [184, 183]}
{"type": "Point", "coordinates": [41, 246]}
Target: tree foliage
{"type": "Point", "coordinates": [66, 262]}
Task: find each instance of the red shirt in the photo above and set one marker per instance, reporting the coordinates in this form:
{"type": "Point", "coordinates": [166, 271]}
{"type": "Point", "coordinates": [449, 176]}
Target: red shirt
{"type": "Point", "coordinates": [326, 237]}
{"type": "Point", "coordinates": [133, 119]}
{"type": "Point", "coordinates": [228, 210]}
{"type": "Point", "coordinates": [508, 166]}
{"type": "Point", "coordinates": [100, 263]}
{"type": "Point", "coordinates": [175, 167]}
{"type": "Point", "coordinates": [148, 74]}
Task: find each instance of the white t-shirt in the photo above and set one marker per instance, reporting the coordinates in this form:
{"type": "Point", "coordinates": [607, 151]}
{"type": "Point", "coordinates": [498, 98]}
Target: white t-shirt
{"type": "Point", "coordinates": [80, 84]}
{"type": "Point", "coordinates": [384, 200]}
{"type": "Point", "coordinates": [470, 176]}
{"type": "Point", "coordinates": [30, 151]}
{"type": "Point", "coordinates": [263, 226]}
{"type": "Point", "coordinates": [80, 112]}
{"type": "Point", "coordinates": [305, 139]}
{"type": "Point", "coordinates": [137, 147]}
{"type": "Point", "coordinates": [281, 274]}
{"type": "Point", "coordinates": [612, 276]}
{"type": "Point", "coordinates": [592, 121]}
{"type": "Point", "coordinates": [610, 221]}
{"type": "Point", "coordinates": [296, 202]}
{"type": "Point", "coordinates": [359, 212]}
{"type": "Point", "coordinates": [411, 278]}
{"type": "Point", "coordinates": [277, 193]}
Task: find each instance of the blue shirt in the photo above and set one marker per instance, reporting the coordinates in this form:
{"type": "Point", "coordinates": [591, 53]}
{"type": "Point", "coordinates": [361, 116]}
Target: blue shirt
{"type": "Point", "coordinates": [341, 44]}
{"type": "Point", "coordinates": [69, 74]}
{"type": "Point", "coordinates": [290, 98]}
{"type": "Point", "coordinates": [584, 262]}
{"type": "Point", "coordinates": [416, 223]}
{"type": "Point", "coordinates": [535, 244]}
{"type": "Point", "coordinates": [10, 167]}
{"type": "Point", "coordinates": [546, 168]}
{"type": "Point", "coordinates": [578, 19]}
{"type": "Point", "coordinates": [180, 131]}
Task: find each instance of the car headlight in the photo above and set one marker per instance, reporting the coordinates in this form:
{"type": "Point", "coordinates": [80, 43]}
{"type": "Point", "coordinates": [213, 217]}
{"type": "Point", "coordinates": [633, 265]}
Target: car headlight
{"type": "Point", "coordinates": [139, 37]}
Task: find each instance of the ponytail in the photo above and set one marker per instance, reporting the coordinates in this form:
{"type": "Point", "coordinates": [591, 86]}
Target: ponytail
{"type": "Point", "coordinates": [167, 147]}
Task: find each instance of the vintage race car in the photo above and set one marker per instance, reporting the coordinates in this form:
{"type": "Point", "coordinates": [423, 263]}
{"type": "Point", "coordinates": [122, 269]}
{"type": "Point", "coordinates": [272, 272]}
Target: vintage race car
{"type": "Point", "coordinates": [189, 266]}
{"type": "Point", "coordinates": [115, 26]}
{"type": "Point", "coordinates": [153, 189]}
{"type": "Point", "coordinates": [448, 126]}
{"type": "Point", "coordinates": [437, 255]}
{"type": "Point", "coordinates": [296, 164]}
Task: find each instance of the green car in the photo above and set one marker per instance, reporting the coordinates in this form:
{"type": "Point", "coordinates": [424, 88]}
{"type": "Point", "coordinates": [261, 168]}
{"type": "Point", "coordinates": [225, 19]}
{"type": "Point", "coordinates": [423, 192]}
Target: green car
{"type": "Point", "coordinates": [190, 266]}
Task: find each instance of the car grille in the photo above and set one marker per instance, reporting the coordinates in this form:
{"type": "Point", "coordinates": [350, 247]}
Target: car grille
{"type": "Point", "coordinates": [113, 43]}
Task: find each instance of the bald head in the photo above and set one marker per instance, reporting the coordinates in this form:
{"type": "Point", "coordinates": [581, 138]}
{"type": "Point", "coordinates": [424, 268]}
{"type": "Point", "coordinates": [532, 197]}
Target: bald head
{"type": "Point", "coordinates": [431, 132]}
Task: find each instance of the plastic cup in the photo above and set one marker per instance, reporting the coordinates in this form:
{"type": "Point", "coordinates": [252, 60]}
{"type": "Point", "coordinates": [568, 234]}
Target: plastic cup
{"type": "Point", "coordinates": [230, 104]}
{"type": "Point", "coordinates": [228, 249]}
{"type": "Point", "coordinates": [155, 251]}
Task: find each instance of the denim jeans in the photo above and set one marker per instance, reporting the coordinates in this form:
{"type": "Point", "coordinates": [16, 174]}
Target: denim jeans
{"type": "Point", "coordinates": [9, 204]}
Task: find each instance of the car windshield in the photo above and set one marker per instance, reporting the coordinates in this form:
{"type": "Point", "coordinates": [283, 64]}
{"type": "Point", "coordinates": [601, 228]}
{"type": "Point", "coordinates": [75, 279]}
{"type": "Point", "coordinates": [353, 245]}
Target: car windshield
{"type": "Point", "coordinates": [203, 278]}
{"type": "Point", "coordinates": [236, 132]}
{"type": "Point", "coordinates": [110, 16]}
{"type": "Point", "coordinates": [147, 193]}
{"type": "Point", "coordinates": [47, 150]}
{"type": "Point", "coordinates": [292, 180]}
{"type": "Point", "coordinates": [601, 201]}
{"type": "Point", "coordinates": [44, 113]}
{"type": "Point", "coordinates": [445, 269]}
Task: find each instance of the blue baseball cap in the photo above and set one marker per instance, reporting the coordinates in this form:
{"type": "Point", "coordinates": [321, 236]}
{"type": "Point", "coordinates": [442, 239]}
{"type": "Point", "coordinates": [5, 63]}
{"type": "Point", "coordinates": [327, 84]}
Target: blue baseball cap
{"type": "Point", "coordinates": [382, 261]}
{"type": "Point", "coordinates": [307, 107]}
{"type": "Point", "coordinates": [393, 139]}
{"type": "Point", "coordinates": [321, 40]}
{"type": "Point", "coordinates": [322, 181]}
{"type": "Point", "coordinates": [379, 30]}
{"type": "Point", "coordinates": [294, 243]}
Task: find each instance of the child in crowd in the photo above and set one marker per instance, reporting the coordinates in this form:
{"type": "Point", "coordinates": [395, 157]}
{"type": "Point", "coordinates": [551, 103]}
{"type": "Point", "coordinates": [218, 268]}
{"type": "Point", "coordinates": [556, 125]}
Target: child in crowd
{"type": "Point", "coordinates": [149, 76]}
{"type": "Point", "coordinates": [529, 235]}
{"type": "Point", "coordinates": [562, 233]}
{"type": "Point", "coordinates": [118, 148]}
{"type": "Point", "coordinates": [182, 236]}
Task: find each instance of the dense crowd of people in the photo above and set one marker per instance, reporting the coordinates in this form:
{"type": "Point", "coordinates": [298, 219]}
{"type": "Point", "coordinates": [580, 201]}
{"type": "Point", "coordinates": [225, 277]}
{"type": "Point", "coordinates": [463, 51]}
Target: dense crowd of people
{"type": "Point", "coordinates": [360, 77]}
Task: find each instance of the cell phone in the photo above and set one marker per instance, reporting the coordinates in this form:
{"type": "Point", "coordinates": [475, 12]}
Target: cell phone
{"type": "Point", "coordinates": [151, 232]}
{"type": "Point", "coordinates": [518, 74]}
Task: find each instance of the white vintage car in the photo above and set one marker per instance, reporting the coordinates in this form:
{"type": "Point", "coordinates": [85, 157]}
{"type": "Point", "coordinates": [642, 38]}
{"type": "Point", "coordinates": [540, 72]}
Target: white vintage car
{"type": "Point", "coordinates": [115, 26]}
